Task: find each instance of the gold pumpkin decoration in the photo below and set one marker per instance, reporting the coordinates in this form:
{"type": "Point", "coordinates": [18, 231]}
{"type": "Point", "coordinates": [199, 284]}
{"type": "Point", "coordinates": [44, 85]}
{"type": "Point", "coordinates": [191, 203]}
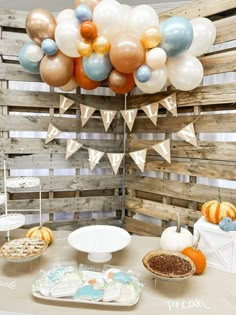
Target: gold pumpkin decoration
{"type": "Point", "coordinates": [214, 211]}
{"type": "Point", "coordinates": [41, 232]}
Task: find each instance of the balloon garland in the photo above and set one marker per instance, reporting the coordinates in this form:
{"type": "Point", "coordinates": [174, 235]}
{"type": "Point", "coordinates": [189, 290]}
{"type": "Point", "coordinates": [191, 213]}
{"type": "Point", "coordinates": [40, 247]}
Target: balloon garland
{"type": "Point", "coordinates": [103, 40]}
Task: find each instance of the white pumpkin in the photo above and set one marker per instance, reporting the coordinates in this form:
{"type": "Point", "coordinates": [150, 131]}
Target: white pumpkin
{"type": "Point", "coordinates": [176, 238]}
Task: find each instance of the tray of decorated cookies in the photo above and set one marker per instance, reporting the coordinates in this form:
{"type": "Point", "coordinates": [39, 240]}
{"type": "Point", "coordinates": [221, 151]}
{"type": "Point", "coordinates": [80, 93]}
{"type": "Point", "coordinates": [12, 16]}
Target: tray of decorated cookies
{"type": "Point", "coordinates": [67, 282]}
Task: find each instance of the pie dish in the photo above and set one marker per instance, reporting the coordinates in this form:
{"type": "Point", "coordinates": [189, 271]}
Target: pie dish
{"type": "Point", "coordinates": [169, 265]}
{"type": "Point", "coordinates": [23, 249]}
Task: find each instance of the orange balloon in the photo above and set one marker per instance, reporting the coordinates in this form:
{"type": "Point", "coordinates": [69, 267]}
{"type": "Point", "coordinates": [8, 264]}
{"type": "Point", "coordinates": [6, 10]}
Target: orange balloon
{"type": "Point", "coordinates": [127, 87]}
{"type": "Point", "coordinates": [151, 37]}
{"type": "Point", "coordinates": [84, 48]}
{"type": "Point", "coordinates": [90, 3]}
{"type": "Point", "coordinates": [81, 78]}
{"type": "Point", "coordinates": [88, 30]}
{"type": "Point", "coordinates": [101, 45]}
{"type": "Point", "coordinates": [127, 53]}
{"type": "Point", "coordinates": [56, 70]}
{"type": "Point", "coordinates": [40, 24]}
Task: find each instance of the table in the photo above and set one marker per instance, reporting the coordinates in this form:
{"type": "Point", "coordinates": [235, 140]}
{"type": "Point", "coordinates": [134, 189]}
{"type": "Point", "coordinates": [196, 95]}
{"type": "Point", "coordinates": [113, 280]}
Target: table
{"type": "Point", "coordinates": [213, 292]}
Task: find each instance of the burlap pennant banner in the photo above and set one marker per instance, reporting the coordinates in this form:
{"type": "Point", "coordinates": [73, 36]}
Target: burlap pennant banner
{"type": "Point", "coordinates": [169, 103]}
{"type": "Point", "coordinates": [86, 113]}
{"type": "Point", "coordinates": [188, 134]}
{"type": "Point", "coordinates": [71, 147]}
{"type": "Point", "coordinates": [107, 117]}
{"type": "Point", "coordinates": [65, 103]}
{"type": "Point", "coordinates": [115, 160]}
{"type": "Point", "coordinates": [53, 132]}
{"type": "Point", "coordinates": [129, 117]}
{"type": "Point", "coordinates": [163, 148]}
{"type": "Point", "coordinates": [94, 157]}
{"type": "Point", "coordinates": [139, 158]}
{"type": "Point", "coordinates": [151, 111]}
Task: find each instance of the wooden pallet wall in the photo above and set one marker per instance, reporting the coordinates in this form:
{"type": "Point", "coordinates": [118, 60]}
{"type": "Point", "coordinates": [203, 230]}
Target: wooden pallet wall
{"type": "Point", "coordinates": [189, 180]}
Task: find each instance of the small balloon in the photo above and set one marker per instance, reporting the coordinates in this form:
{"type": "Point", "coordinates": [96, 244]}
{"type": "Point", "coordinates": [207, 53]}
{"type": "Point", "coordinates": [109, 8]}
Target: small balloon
{"type": "Point", "coordinates": [151, 37]}
{"type": "Point", "coordinates": [156, 58]}
{"type": "Point", "coordinates": [28, 65]}
{"type": "Point", "coordinates": [81, 78]}
{"type": "Point", "coordinates": [40, 24]}
{"type": "Point", "coordinates": [69, 86]}
{"type": "Point", "coordinates": [127, 53]}
{"type": "Point", "coordinates": [101, 45]}
{"type": "Point", "coordinates": [117, 79]}
{"type": "Point", "coordinates": [56, 70]}
{"type": "Point", "coordinates": [176, 35]}
{"type": "Point", "coordinates": [90, 3]}
{"type": "Point", "coordinates": [49, 47]}
{"type": "Point", "coordinates": [85, 48]}
{"type": "Point", "coordinates": [97, 67]}
{"type": "Point", "coordinates": [143, 73]}
{"type": "Point", "coordinates": [127, 87]}
{"type": "Point", "coordinates": [83, 13]}
{"type": "Point", "coordinates": [88, 30]}
{"type": "Point", "coordinates": [33, 52]}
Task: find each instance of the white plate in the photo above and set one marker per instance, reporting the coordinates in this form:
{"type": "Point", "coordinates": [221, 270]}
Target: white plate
{"type": "Point", "coordinates": [11, 221]}
{"type": "Point", "coordinates": [99, 241]}
{"type": "Point", "coordinates": [70, 300]}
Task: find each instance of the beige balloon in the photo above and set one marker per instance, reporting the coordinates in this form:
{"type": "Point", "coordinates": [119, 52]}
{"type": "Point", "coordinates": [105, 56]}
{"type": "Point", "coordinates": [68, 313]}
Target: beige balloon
{"type": "Point", "coordinates": [56, 70]}
{"type": "Point", "coordinates": [40, 24]}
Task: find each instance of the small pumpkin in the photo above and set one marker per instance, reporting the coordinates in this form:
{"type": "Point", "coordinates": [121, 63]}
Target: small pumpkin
{"type": "Point", "coordinates": [176, 238]}
{"type": "Point", "coordinates": [214, 211]}
{"type": "Point", "coordinates": [41, 232]}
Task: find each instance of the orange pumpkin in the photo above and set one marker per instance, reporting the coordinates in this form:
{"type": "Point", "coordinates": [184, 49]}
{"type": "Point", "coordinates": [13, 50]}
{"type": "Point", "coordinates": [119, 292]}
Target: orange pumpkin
{"type": "Point", "coordinates": [197, 256]}
{"type": "Point", "coordinates": [214, 211]}
{"type": "Point", "coordinates": [41, 232]}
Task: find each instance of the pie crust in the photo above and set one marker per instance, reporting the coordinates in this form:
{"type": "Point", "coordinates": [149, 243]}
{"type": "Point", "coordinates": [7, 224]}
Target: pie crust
{"type": "Point", "coordinates": [169, 264]}
{"type": "Point", "coordinates": [23, 249]}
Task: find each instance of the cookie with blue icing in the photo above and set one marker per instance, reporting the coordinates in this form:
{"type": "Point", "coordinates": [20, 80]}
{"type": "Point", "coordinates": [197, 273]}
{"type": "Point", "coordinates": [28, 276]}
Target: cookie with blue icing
{"type": "Point", "coordinates": [88, 292]}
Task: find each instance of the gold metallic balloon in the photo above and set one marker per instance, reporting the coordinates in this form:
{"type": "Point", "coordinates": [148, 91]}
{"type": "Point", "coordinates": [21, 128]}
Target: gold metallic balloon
{"type": "Point", "coordinates": [151, 37]}
{"type": "Point", "coordinates": [117, 79]}
{"type": "Point", "coordinates": [84, 48]}
{"type": "Point", "coordinates": [101, 45]}
{"type": "Point", "coordinates": [56, 70]}
{"type": "Point", "coordinates": [40, 24]}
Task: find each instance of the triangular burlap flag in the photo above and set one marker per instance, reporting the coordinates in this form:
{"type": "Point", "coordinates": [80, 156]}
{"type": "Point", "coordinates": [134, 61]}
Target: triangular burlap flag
{"type": "Point", "coordinates": [107, 117]}
{"type": "Point", "coordinates": [129, 117]}
{"type": "Point", "coordinates": [86, 113]}
{"type": "Point", "coordinates": [72, 147]}
{"type": "Point", "coordinates": [65, 103]}
{"type": "Point", "coordinates": [53, 132]}
{"type": "Point", "coordinates": [163, 148]}
{"type": "Point", "coordinates": [151, 111]}
{"type": "Point", "coordinates": [188, 134]}
{"type": "Point", "coordinates": [169, 103]}
{"type": "Point", "coordinates": [94, 157]}
{"type": "Point", "coordinates": [115, 160]}
{"type": "Point", "coordinates": [139, 158]}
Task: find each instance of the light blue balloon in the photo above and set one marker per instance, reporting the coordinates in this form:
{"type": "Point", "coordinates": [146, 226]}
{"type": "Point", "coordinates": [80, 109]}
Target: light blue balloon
{"type": "Point", "coordinates": [97, 67]}
{"type": "Point", "coordinates": [143, 73]}
{"type": "Point", "coordinates": [49, 47]}
{"type": "Point", "coordinates": [28, 65]}
{"type": "Point", "coordinates": [176, 35]}
{"type": "Point", "coordinates": [83, 13]}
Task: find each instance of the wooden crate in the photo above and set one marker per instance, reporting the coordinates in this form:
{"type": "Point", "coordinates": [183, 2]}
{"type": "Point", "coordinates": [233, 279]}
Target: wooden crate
{"type": "Point", "coordinates": [97, 197]}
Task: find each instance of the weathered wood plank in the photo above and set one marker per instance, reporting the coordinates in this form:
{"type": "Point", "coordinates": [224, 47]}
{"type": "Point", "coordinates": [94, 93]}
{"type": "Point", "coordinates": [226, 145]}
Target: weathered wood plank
{"type": "Point", "coordinates": [219, 62]}
{"type": "Point", "coordinates": [225, 29]}
{"type": "Point", "coordinates": [175, 189]}
{"type": "Point", "coordinates": [142, 228]}
{"type": "Point", "coordinates": [13, 18]}
{"type": "Point", "coordinates": [162, 211]}
{"type": "Point", "coordinates": [219, 151]}
{"type": "Point", "coordinates": [201, 8]}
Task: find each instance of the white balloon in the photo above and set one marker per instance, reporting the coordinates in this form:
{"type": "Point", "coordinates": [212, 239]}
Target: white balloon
{"type": "Point", "coordinates": [204, 35]}
{"type": "Point", "coordinates": [155, 83]}
{"type": "Point", "coordinates": [69, 86]}
{"type": "Point", "coordinates": [126, 11]}
{"type": "Point", "coordinates": [108, 18]}
{"type": "Point", "coordinates": [141, 18]}
{"type": "Point", "coordinates": [65, 15]}
{"type": "Point", "coordinates": [185, 72]}
{"type": "Point", "coordinates": [67, 35]}
{"type": "Point", "coordinates": [33, 53]}
{"type": "Point", "coordinates": [156, 58]}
